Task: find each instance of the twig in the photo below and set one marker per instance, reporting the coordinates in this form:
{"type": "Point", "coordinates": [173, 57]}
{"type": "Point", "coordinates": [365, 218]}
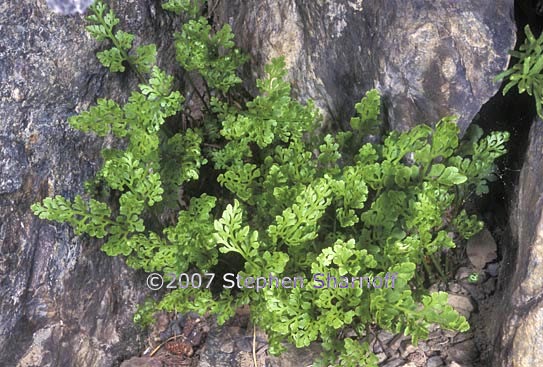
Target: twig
{"type": "Point", "coordinates": [157, 348]}
{"type": "Point", "coordinates": [254, 346]}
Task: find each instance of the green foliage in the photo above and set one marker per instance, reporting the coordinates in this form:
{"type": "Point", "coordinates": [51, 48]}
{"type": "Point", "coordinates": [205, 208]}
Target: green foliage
{"type": "Point", "coordinates": [212, 55]}
{"type": "Point", "coordinates": [527, 72]}
{"type": "Point", "coordinates": [467, 225]}
{"type": "Point", "coordinates": [189, 7]}
{"type": "Point", "coordinates": [102, 27]}
{"type": "Point", "coordinates": [368, 122]}
{"type": "Point", "coordinates": [278, 199]}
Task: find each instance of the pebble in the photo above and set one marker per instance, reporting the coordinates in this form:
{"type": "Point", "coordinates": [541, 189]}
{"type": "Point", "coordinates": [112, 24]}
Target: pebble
{"type": "Point", "coordinates": [464, 352]}
{"type": "Point", "coordinates": [395, 363]}
{"type": "Point", "coordinates": [141, 362]}
{"type": "Point", "coordinates": [462, 304]}
{"type": "Point", "coordinates": [434, 361]}
{"type": "Point", "coordinates": [385, 336]}
{"type": "Point", "coordinates": [492, 269]}
{"type": "Point", "coordinates": [381, 357]}
{"type": "Point", "coordinates": [227, 347]}
{"type": "Point", "coordinates": [17, 95]}
{"type": "Point", "coordinates": [407, 350]}
{"type": "Point", "coordinates": [455, 287]}
{"type": "Point", "coordinates": [418, 358]}
{"type": "Point", "coordinates": [463, 273]}
{"type": "Point", "coordinates": [396, 342]}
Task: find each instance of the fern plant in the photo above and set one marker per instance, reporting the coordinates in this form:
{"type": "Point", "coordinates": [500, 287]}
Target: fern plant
{"type": "Point", "coordinates": [527, 72]}
{"type": "Point", "coordinates": [279, 200]}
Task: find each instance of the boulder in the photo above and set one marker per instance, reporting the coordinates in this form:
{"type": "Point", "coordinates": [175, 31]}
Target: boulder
{"type": "Point", "coordinates": [520, 315]}
{"type": "Point", "coordinates": [428, 58]}
{"type": "Point", "coordinates": [62, 301]}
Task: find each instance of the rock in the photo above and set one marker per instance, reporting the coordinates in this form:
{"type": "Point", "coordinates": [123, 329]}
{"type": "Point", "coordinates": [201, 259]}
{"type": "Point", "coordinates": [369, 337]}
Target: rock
{"type": "Point", "coordinates": [295, 357]}
{"type": "Point", "coordinates": [464, 352]}
{"type": "Point", "coordinates": [408, 349]}
{"type": "Point", "coordinates": [410, 364]}
{"type": "Point", "coordinates": [519, 314]}
{"type": "Point", "coordinates": [227, 347]}
{"type": "Point", "coordinates": [396, 342]}
{"type": "Point", "coordinates": [481, 249]}
{"type": "Point", "coordinates": [13, 165]}
{"type": "Point", "coordinates": [69, 6]}
{"type": "Point", "coordinates": [62, 301]}
{"type": "Point", "coordinates": [462, 304]}
{"type": "Point", "coordinates": [224, 348]}
{"type": "Point", "coordinates": [211, 354]}
{"type": "Point", "coordinates": [381, 357]}
{"type": "Point", "coordinates": [429, 59]}
{"type": "Point", "coordinates": [394, 363]}
{"type": "Point", "coordinates": [418, 358]}
{"type": "Point", "coordinates": [463, 273]}
{"type": "Point", "coordinates": [385, 336]}
{"type": "Point", "coordinates": [492, 269]}
{"type": "Point", "coordinates": [454, 287]}
{"type": "Point", "coordinates": [141, 362]}
{"type": "Point", "coordinates": [434, 361]}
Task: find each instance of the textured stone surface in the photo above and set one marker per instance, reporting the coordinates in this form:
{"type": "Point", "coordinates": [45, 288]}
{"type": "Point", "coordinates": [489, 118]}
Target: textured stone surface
{"type": "Point", "coordinates": [233, 346]}
{"type": "Point", "coordinates": [142, 362]}
{"type": "Point", "coordinates": [521, 312]}
{"type": "Point", "coordinates": [428, 58]}
{"type": "Point", "coordinates": [69, 6]}
{"type": "Point", "coordinates": [62, 301]}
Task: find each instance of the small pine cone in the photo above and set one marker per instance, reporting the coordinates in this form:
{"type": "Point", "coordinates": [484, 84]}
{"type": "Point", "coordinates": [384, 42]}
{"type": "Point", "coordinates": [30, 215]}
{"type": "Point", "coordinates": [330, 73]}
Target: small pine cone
{"type": "Point", "coordinates": [179, 348]}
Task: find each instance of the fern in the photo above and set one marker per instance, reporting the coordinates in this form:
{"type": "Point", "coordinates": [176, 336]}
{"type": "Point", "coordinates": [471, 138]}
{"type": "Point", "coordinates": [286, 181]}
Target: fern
{"type": "Point", "coordinates": [257, 184]}
{"type": "Point", "coordinates": [527, 73]}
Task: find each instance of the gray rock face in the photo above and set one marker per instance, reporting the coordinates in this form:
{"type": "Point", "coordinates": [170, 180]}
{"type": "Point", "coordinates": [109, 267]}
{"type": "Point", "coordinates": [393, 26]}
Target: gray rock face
{"type": "Point", "coordinates": [428, 58]}
{"type": "Point", "coordinates": [521, 330]}
{"type": "Point", "coordinates": [62, 301]}
{"type": "Point", "coordinates": [69, 6]}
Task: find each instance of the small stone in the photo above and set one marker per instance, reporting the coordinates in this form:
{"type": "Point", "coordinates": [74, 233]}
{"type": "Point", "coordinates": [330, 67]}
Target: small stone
{"type": "Point", "coordinates": [454, 364]}
{"type": "Point", "coordinates": [418, 358]}
{"type": "Point", "coordinates": [381, 357]}
{"type": "Point", "coordinates": [407, 349]}
{"type": "Point", "coordinates": [463, 273]}
{"type": "Point", "coordinates": [492, 269]}
{"type": "Point", "coordinates": [437, 287]}
{"type": "Point", "coordinates": [462, 337]}
{"type": "Point", "coordinates": [396, 342]}
{"type": "Point", "coordinates": [454, 287]}
{"type": "Point", "coordinates": [481, 249]}
{"type": "Point", "coordinates": [394, 363]}
{"type": "Point", "coordinates": [410, 364]}
{"type": "Point", "coordinates": [227, 347]}
{"type": "Point", "coordinates": [465, 352]}
{"type": "Point", "coordinates": [17, 95]}
{"type": "Point", "coordinates": [385, 336]}
{"type": "Point", "coordinates": [434, 361]}
{"type": "Point", "coordinates": [462, 304]}
{"type": "Point", "coordinates": [141, 362]}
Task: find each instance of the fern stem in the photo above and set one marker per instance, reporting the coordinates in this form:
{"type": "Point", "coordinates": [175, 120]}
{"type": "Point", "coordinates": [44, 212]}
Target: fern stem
{"type": "Point", "coordinates": [191, 82]}
{"type": "Point", "coordinates": [437, 265]}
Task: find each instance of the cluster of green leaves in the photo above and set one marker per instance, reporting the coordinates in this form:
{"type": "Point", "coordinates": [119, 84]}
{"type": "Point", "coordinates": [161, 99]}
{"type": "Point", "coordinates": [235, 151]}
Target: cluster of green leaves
{"type": "Point", "coordinates": [189, 7]}
{"type": "Point", "coordinates": [212, 55]}
{"type": "Point", "coordinates": [285, 201]}
{"type": "Point", "coordinates": [527, 72]}
{"type": "Point", "coordinates": [101, 27]}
